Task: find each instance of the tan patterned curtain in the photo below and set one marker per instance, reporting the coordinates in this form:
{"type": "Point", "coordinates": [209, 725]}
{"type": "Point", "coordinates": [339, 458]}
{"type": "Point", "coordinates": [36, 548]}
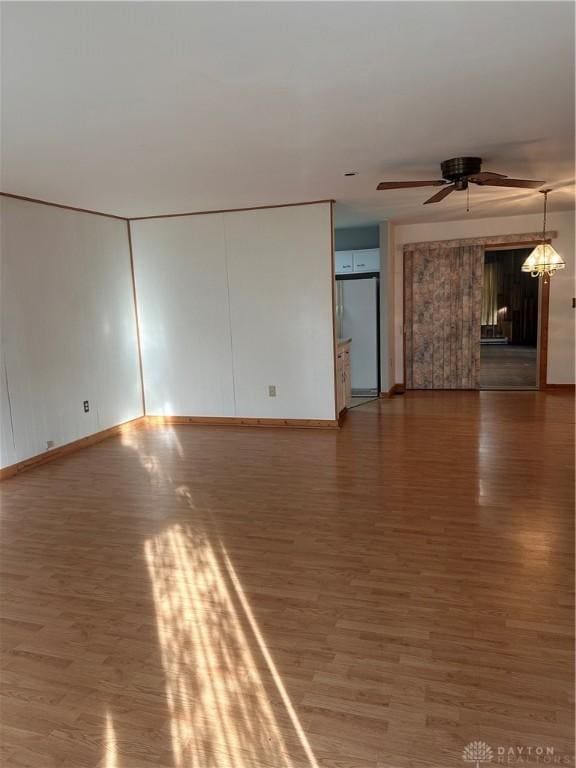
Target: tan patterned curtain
{"type": "Point", "coordinates": [442, 309]}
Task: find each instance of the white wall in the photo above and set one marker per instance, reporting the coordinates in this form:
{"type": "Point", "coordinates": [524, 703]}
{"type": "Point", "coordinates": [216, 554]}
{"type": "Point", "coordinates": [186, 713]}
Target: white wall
{"type": "Point", "coordinates": [68, 329]}
{"type": "Point", "coordinates": [181, 285]}
{"type": "Point", "coordinates": [387, 370]}
{"type": "Point", "coordinates": [232, 303]}
{"type": "Point", "coordinates": [562, 289]}
{"type": "Point", "coordinates": [280, 279]}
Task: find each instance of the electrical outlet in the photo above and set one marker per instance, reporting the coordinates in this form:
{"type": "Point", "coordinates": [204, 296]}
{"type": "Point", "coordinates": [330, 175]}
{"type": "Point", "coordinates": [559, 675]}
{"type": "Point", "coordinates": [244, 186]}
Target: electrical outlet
{"type": "Point", "coordinates": [49, 444]}
{"type": "Point", "coordinates": [86, 406]}
{"type": "Point", "coordinates": [272, 390]}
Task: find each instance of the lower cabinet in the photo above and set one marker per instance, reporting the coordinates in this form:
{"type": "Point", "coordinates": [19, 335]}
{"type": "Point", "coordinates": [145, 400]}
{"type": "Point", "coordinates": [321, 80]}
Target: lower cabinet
{"type": "Point", "coordinates": [340, 396]}
{"type": "Point", "coordinates": [347, 379]}
{"type": "Point", "coordinates": [343, 379]}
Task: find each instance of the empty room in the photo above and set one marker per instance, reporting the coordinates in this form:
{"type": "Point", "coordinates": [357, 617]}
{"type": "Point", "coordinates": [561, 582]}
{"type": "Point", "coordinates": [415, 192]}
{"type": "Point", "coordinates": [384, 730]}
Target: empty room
{"type": "Point", "coordinates": [287, 368]}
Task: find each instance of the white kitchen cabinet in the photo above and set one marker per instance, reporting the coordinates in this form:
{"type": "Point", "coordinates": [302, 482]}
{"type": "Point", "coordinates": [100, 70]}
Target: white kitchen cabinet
{"type": "Point", "coordinates": [367, 260]}
{"type": "Point", "coordinates": [344, 262]}
{"type": "Point", "coordinates": [350, 262]}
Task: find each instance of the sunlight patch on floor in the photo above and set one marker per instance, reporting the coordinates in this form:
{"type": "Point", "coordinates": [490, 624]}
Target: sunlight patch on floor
{"type": "Point", "coordinates": [136, 440]}
{"type": "Point", "coordinates": [111, 745]}
{"type": "Point", "coordinates": [211, 651]}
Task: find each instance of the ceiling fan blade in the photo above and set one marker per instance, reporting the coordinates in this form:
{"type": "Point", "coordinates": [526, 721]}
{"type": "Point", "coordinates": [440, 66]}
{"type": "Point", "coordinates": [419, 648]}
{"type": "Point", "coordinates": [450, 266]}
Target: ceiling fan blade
{"type": "Point", "coordinates": [407, 184]}
{"type": "Point", "coordinates": [522, 183]}
{"type": "Point", "coordinates": [485, 176]}
{"type": "Point", "coordinates": [440, 195]}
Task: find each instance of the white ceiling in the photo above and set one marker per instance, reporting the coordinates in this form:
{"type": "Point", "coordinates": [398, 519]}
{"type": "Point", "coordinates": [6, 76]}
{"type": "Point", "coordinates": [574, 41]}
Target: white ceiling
{"type": "Point", "coordinates": [143, 108]}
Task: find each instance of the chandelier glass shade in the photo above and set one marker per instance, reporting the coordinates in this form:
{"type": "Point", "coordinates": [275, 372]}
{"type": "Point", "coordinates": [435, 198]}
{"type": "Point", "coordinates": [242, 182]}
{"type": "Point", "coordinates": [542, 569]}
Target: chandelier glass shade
{"type": "Point", "coordinates": [544, 259]}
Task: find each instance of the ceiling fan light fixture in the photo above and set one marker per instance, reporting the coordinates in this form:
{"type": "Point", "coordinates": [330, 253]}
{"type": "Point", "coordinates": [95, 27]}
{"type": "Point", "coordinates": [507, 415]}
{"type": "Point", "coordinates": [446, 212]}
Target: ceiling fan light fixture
{"type": "Point", "coordinates": [544, 260]}
{"type": "Point", "coordinates": [457, 174]}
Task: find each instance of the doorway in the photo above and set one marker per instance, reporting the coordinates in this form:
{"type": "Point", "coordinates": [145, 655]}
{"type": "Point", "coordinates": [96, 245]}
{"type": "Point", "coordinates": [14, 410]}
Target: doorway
{"type": "Point", "coordinates": [358, 318]}
{"type": "Point", "coordinates": [509, 322]}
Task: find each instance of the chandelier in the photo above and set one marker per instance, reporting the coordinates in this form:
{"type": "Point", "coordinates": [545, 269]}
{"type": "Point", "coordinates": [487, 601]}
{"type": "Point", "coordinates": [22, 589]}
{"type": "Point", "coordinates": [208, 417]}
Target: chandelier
{"type": "Point", "coordinates": [544, 260]}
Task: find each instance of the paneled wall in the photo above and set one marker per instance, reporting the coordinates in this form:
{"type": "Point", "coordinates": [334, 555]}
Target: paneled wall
{"type": "Point", "coordinates": [68, 329]}
{"type": "Point", "coordinates": [182, 290]}
{"type": "Point", "coordinates": [233, 303]}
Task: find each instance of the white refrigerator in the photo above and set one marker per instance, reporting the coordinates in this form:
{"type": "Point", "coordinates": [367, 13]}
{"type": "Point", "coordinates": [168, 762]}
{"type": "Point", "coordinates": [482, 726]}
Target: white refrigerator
{"type": "Point", "coordinates": [357, 315]}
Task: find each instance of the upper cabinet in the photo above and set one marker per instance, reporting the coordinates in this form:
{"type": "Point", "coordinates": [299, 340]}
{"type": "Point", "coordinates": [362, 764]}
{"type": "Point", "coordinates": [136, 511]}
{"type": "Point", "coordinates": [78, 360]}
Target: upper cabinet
{"type": "Point", "coordinates": [344, 262]}
{"type": "Point", "coordinates": [349, 262]}
{"type": "Point", "coordinates": [367, 261]}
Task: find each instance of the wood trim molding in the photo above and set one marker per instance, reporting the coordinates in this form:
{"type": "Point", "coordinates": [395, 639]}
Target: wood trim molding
{"type": "Point", "coordinates": [161, 215]}
{"type": "Point", "coordinates": [230, 210]}
{"type": "Point", "coordinates": [240, 421]}
{"type": "Point", "coordinates": [334, 330]}
{"type": "Point", "coordinates": [59, 205]}
{"type": "Point", "coordinates": [75, 445]}
{"type": "Point", "coordinates": [517, 244]}
{"type": "Point", "coordinates": [543, 317]}
{"type": "Point", "coordinates": [404, 367]}
{"type": "Point", "coordinates": [525, 239]}
{"type": "Point", "coordinates": [136, 316]}
{"type": "Point", "coordinates": [559, 388]}
{"type": "Point", "coordinates": [395, 389]}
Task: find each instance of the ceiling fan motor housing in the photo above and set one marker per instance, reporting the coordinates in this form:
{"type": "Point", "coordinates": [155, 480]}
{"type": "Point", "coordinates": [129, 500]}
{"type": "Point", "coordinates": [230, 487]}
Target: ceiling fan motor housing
{"type": "Point", "coordinates": [458, 169]}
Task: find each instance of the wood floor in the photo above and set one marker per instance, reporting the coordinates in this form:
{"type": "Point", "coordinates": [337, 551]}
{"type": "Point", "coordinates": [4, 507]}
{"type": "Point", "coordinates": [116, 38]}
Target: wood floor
{"type": "Point", "coordinates": [374, 597]}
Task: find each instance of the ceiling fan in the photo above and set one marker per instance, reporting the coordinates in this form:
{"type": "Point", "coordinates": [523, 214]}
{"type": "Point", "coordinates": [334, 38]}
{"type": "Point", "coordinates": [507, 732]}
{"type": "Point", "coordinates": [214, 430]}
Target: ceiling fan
{"type": "Point", "coordinates": [457, 173]}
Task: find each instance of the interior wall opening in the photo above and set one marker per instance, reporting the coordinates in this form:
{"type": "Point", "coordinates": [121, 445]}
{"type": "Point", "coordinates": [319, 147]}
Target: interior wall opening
{"type": "Point", "coordinates": [509, 322]}
{"type": "Point", "coordinates": [357, 315]}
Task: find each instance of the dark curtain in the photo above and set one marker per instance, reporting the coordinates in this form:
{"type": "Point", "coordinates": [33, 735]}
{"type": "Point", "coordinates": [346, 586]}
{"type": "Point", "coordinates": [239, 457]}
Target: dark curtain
{"type": "Point", "coordinates": [509, 298]}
